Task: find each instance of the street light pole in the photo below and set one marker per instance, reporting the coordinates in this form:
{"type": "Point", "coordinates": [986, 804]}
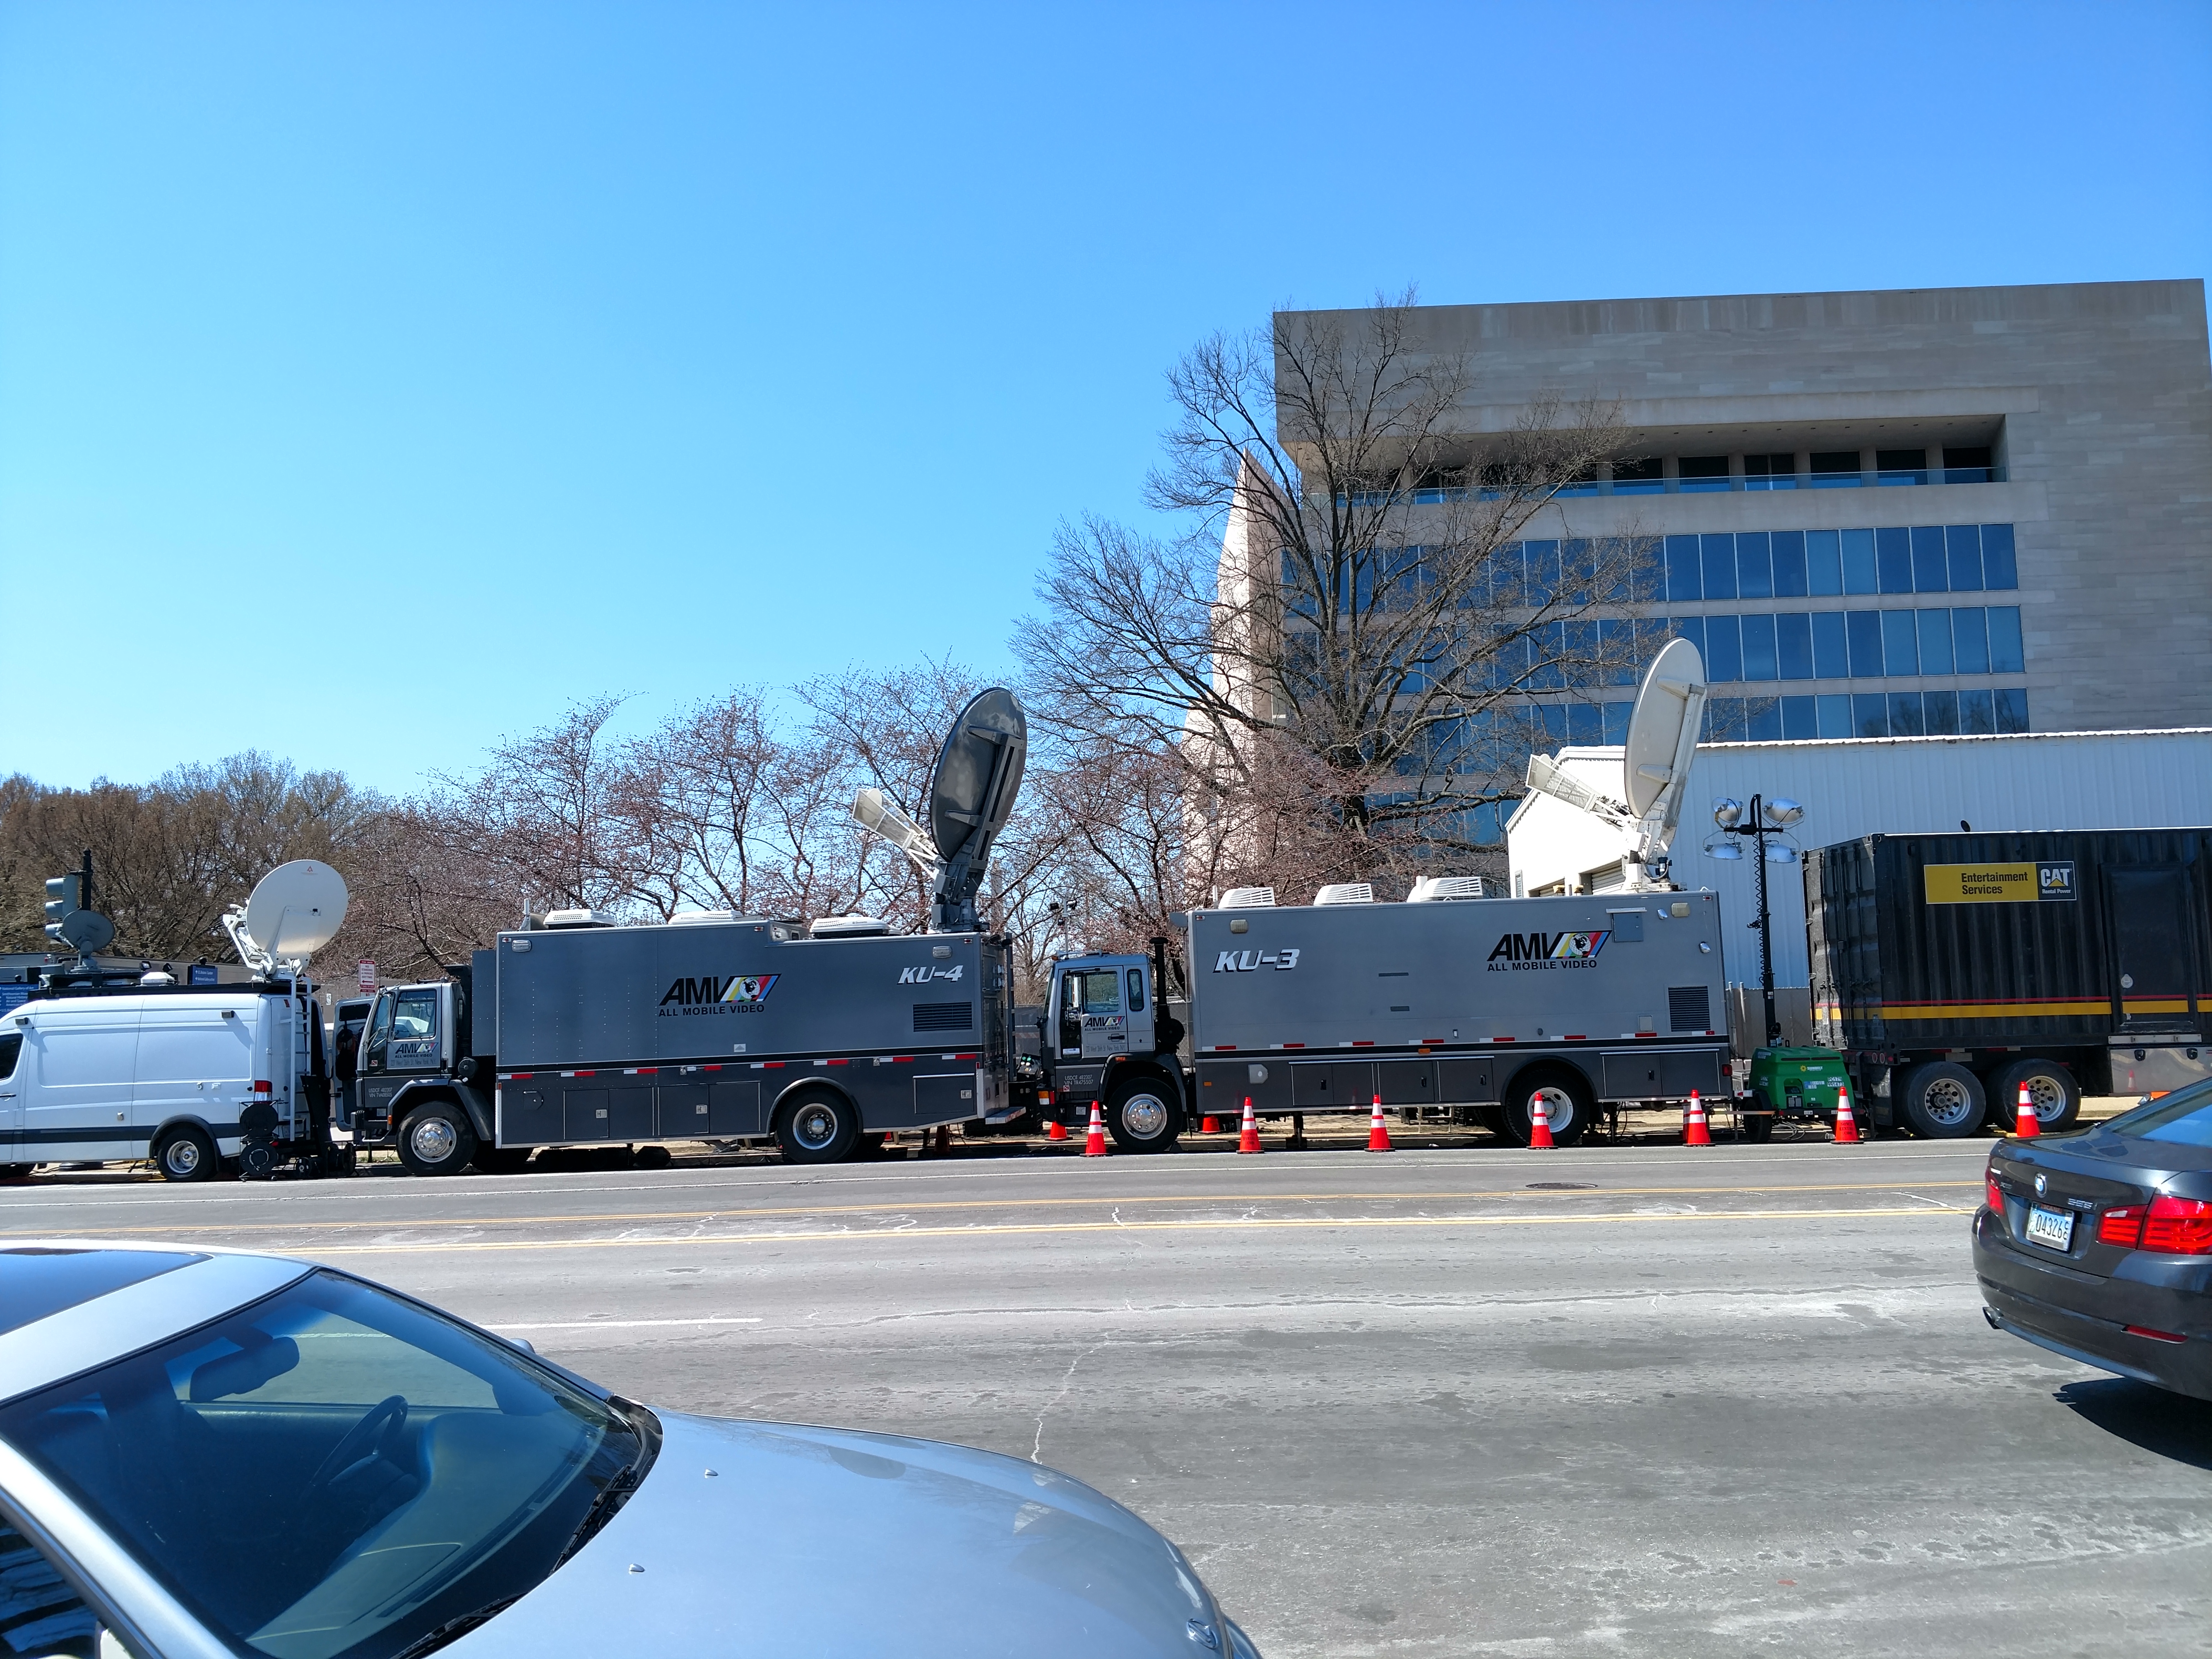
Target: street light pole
{"type": "Point", "coordinates": [1761, 821]}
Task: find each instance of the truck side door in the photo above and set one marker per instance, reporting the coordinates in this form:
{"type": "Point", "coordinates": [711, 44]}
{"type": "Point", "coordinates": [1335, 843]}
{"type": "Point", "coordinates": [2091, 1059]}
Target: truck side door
{"type": "Point", "coordinates": [416, 1040]}
{"type": "Point", "coordinates": [1095, 993]}
{"type": "Point", "coordinates": [194, 1063]}
{"type": "Point", "coordinates": [1141, 1012]}
{"type": "Point", "coordinates": [75, 1098]}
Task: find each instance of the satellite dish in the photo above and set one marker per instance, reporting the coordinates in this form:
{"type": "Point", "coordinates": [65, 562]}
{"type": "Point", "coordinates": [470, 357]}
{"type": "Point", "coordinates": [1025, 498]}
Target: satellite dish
{"type": "Point", "coordinates": [1662, 732]}
{"type": "Point", "coordinates": [86, 932]}
{"type": "Point", "coordinates": [979, 772]}
{"type": "Point", "coordinates": [296, 909]}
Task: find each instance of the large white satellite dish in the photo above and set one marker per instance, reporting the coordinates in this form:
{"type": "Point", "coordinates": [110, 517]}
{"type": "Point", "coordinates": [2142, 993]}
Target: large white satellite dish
{"type": "Point", "coordinates": [296, 909]}
{"type": "Point", "coordinates": [1663, 732]}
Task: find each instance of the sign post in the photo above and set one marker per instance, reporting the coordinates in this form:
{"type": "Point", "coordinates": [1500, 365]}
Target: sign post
{"type": "Point", "coordinates": [367, 978]}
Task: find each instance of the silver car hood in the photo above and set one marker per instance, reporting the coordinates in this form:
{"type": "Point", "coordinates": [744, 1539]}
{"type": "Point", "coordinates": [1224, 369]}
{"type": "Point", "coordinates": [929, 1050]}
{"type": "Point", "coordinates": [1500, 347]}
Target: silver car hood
{"type": "Point", "coordinates": [805, 1542]}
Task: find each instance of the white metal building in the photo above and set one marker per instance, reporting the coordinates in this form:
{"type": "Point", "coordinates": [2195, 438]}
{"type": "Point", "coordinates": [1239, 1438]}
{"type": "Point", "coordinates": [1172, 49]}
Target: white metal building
{"type": "Point", "coordinates": [1862, 787]}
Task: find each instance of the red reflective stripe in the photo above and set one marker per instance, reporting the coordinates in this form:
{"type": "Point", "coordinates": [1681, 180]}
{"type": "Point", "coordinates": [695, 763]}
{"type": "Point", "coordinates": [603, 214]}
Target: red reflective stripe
{"type": "Point", "coordinates": [2155, 1336]}
{"type": "Point", "coordinates": [1363, 1043]}
{"type": "Point", "coordinates": [901, 1059]}
{"type": "Point", "coordinates": [838, 1062]}
{"type": "Point", "coordinates": [772, 1065]}
{"type": "Point", "coordinates": [580, 1074]}
{"type": "Point", "coordinates": [1224, 1048]}
{"type": "Point", "coordinates": [1294, 1045]}
{"type": "Point", "coordinates": [1501, 1039]}
{"type": "Point", "coordinates": [710, 1068]}
{"type": "Point", "coordinates": [1574, 1037]}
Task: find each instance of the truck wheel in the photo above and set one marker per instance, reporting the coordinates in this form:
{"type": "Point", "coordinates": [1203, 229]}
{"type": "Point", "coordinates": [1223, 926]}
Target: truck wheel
{"type": "Point", "coordinates": [818, 1128]}
{"type": "Point", "coordinates": [1143, 1117]}
{"type": "Point", "coordinates": [2051, 1090]}
{"type": "Point", "coordinates": [185, 1153]}
{"type": "Point", "coordinates": [1569, 1103]}
{"type": "Point", "coordinates": [1941, 1100]}
{"type": "Point", "coordinates": [1755, 1128]}
{"type": "Point", "coordinates": [436, 1141]}
{"type": "Point", "coordinates": [501, 1160]}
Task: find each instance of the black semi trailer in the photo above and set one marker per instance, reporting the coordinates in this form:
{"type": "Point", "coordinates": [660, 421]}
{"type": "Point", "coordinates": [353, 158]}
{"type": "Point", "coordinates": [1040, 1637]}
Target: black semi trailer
{"type": "Point", "coordinates": [1954, 970]}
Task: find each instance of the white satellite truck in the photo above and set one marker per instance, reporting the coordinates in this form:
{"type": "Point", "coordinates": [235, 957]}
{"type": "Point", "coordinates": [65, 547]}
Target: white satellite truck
{"type": "Point", "coordinates": [199, 1079]}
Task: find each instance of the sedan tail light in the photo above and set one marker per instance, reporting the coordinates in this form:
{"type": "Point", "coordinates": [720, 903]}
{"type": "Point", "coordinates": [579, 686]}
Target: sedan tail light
{"type": "Point", "coordinates": [1995, 1194]}
{"type": "Point", "coordinates": [2178, 1226]}
{"type": "Point", "coordinates": [2123, 1227]}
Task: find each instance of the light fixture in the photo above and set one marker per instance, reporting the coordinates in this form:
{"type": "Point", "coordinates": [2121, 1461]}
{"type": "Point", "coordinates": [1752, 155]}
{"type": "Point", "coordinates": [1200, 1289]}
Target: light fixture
{"type": "Point", "coordinates": [1726, 812]}
{"type": "Point", "coordinates": [1778, 854]}
{"type": "Point", "coordinates": [1727, 849]}
{"type": "Point", "coordinates": [1782, 810]}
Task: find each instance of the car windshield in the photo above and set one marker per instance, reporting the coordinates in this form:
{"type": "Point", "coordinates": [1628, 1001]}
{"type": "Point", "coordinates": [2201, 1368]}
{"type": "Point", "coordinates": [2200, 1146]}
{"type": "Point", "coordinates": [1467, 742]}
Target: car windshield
{"type": "Point", "coordinates": [334, 1471]}
{"type": "Point", "coordinates": [2185, 1115]}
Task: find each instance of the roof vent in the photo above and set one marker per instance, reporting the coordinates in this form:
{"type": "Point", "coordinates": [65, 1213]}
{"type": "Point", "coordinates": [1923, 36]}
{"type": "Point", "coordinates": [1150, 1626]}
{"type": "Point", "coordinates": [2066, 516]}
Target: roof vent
{"type": "Point", "coordinates": [583, 918]}
{"type": "Point", "coordinates": [157, 977]}
{"type": "Point", "coordinates": [1248, 898]}
{"type": "Point", "coordinates": [693, 918]}
{"type": "Point", "coordinates": [853, 926]}
{"type": "Point", "coordinates": [1346, 892]}
{"type": "Point", "coordinates": [1435, 889]}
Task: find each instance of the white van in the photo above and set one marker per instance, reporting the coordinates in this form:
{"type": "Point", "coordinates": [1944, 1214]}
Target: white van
{"type": "Point", "coordinates": [159, 1074]}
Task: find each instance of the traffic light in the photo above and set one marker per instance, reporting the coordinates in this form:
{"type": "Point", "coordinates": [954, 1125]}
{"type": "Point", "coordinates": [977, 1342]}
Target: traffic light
{"type": "Point", "coordinates": [65, 895]}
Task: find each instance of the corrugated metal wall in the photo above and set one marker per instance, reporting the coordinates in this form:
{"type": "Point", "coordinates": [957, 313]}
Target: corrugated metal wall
{"type": "Point", "coordinates": [1879, 786]}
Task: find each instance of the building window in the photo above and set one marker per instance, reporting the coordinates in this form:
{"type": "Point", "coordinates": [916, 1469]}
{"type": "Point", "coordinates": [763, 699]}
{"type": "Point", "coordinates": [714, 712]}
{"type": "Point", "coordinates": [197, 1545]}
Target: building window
{"type": "Point", "coordinates": [1835, 469]}
{"type": "Point", "coordinates": [1892, 558]}
{"type": "Point", "coordinates": [1696, 474]}
{"type": "Point", "coordinates": [1793, 645]}
{"type": "Point", "coordinates": [1968, 466]}
{"type": "Point", "coordinates": [1718, 554]}
{"type": "Point", "coordinates": [1647, 477]}
{"type": "Point", "coordinates": [1789, 564]}
{"type": "Point", "coordinates": [1754, 567]}
{"type": "Point", "coordinates": [1864, 627]}
{"type": "Point", "coordinates": [1901, 466]}
{"type": "Point", "coordinates": [1934, 627]}
{"type": "Point", "coordinates": [1770, 472]}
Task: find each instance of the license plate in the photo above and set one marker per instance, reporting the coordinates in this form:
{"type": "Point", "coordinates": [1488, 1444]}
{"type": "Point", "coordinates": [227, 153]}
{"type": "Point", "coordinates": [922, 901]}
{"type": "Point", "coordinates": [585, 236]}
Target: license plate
{"type": "Point", "coordinates": [2051, 1227]}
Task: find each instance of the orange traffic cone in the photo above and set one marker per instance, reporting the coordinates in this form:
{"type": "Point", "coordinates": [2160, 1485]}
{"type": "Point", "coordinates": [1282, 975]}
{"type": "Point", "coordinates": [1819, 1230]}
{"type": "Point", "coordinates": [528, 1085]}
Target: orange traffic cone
{"type": "Point", "coordinates": [1540, 1125]}
{"type": "Point", "coordinates": [1058, 1132]}
{"type": "Point", "coordinates": [1211, 1127]}
{"type": "Point", "coordinates": [1248, 1137]}
{"type": "Point", "coordinates": [1694, 1131]}
{"type": "Point", "coordinates": [1378, 1134]}
{"type": "Point", "coordinates": [2025, 1123]}
{"type": "Point", "coordinates": [1094, 1144]}
{"type": "Point", "coordinates": [1847, 1127]}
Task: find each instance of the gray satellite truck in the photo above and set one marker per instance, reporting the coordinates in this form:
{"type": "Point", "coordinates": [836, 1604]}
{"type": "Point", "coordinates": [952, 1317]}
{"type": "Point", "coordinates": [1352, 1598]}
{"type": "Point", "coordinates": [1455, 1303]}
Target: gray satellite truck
{"type": "Point", "coordinates": [1447, 999]}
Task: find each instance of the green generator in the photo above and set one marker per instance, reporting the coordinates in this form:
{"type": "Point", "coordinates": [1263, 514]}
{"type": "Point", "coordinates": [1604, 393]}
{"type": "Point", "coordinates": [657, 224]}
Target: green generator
{"type": "Point", "coordinates": [1796, 1082]}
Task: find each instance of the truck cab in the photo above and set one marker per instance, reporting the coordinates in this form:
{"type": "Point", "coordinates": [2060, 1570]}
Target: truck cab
{"type": "Point", "coordinates": [420, 1088]}
{"type": "Point", "coordinates": [1107, 1041]}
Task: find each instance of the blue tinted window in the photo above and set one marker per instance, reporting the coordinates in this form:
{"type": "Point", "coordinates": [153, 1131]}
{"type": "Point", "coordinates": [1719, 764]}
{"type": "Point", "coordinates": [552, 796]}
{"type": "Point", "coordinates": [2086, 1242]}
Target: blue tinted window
{"type": "Point", "coordinates": [1724, 649]}
{"type": "Point", "coordinates": [1759, 648]}
{"type": "Point", "coordinates": [1719, 560]}
{"type": "Point", "coordinates": [1790, 564]}
{"type": "Point", "coordinates": [1551, 721]}
{"type": "Point", "coordinates": [1823, 561]}
{"type": "Point", "coordinates": [2012, 708]}
{"type": "Point", "coordinates": [1793, 645]}
{"type": "Point", "coordinates": [1692, 629]}
{"type": "Point", "coordinates": [1616, 722]}
{"type": "Point", "coordinates": [1724, 719]}
{"type": "Point", "coordinates": [1869, 714]}
{"type": "Point", "coordinates": [1651, 633]}
{"type": "Point", "coordinates": [1617, 648]}
{"type": "Point", "coordinates": [1935, 641]}
{"type": "Point", "coordinates": [1830, 659]}
{"type": "Point", "coordinates": [1964, 542]}
{"type": "Point", "coordinates": [1976, 713]}
{"type": "Point", "coordinates": [1542, 560]}
{"type": "Point", "coordinates": [2004, 639]}
{"type": "Point", "coordinates": [1835, 715]}
{"type": "Point", "coordinates": [1509, 663]}
{"type": "Point", "coordinates": [1865, 626]}
{"type": "Point", "coordinates": [1754, 567]}
{"type": "Point", "coordinates": [1859, 562]}
{"type": "Point", "coordinates": [1585, 723]}
{"type": "Point", "coordinates": [1930, 573]}
{"type": "Point", "coordinates": [1763, 719]}
{"type": "Point", "coordinates": [1904, 714]}
{"type": "Point", "coordinates": [1505, 574]}
{"type": "Point", "coordinates": [1998, 574]}
{"type": "Point", "coordinates": [1582, 660]}
{"type": "Point", "coordinates": [1900, 648]}
{"type": "Point", "coordinates": [1547, 646]}
{"type": "Point", "coordinates": [1970, 636]}
{"type": "Point", "coordinates": [1682, 580]}
{"type": "Point", "coordinates": [1577, 571]}
{"type": "Point", "coordinates": [1801, 720]}
{"type": "Point", "coordinates": [1646, 577]}
{"type": "Point", "coordinates": [1893, 557]}
{"type": "Point", "coordinates": [1942, 713]}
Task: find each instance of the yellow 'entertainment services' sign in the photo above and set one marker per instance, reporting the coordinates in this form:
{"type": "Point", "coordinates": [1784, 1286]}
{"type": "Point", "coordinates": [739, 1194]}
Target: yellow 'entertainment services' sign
{"type": "Point", "coordinates": [2028, 882]}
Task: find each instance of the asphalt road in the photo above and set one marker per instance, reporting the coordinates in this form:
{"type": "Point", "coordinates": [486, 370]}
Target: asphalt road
{"type": "Point", "coordinates": [1735, 1400]}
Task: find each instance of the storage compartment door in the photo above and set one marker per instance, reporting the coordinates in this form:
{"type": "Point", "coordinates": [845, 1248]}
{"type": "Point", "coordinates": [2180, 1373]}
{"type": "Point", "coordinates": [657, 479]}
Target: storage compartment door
{"type": "Point", "coordinates": [586, 1111]}
{"type": "Point", "coordinates": [945, 1098]}
{"type": "Point", "coordinates": [1317, 1085]}
{"type": "Point", "coordinates": [2153, 970]}
{"type": "Point", "coordinates": [1659, 1074]}
{"type": "Point", "coordinates": [1407, 1082]}
{"type": "Point", "coordinates": [1468, 1082]}
{"type": "Point", "coordinates": [733, 1109]}
{"type": "Point", "coordinates": [629, 1112]}
{"type": "Point", "coordinates": [529, 1115]}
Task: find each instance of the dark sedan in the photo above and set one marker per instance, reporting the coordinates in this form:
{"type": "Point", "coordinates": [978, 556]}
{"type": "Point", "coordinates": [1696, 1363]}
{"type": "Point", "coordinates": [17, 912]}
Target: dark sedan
{"type": "Point", "coordinates": [2099, 1245]}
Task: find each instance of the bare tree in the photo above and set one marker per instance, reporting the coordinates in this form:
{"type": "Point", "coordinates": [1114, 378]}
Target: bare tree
{"type": "Point", "coordinates": [1355, 593]}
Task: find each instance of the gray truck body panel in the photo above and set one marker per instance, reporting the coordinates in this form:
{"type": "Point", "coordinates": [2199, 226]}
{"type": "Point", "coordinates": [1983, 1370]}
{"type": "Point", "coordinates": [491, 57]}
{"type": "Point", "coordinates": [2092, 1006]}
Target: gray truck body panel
{"type": "Point", "coordinates": [1311, 1008]}
{"type": "Point", "coordinates": [688, 1031]}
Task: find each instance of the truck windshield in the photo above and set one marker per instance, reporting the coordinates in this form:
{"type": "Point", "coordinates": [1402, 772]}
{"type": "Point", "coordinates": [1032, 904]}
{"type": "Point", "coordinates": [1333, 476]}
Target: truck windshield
{"type": "Point", "coordinates": [1100, 992]}
{"type": "Point", "coordinates": [333, 1471]}
{"type": "Point", "coordinates": [415, 1014]}
{"type": "Point", "coordinates": [378, 1032]}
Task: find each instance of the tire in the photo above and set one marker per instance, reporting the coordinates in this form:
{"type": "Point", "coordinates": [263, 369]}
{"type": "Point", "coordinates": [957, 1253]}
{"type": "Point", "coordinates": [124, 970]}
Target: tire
{"type": "Point", "coordinates": [16, 1171]}
{"type": "Point", "coordinates": [501, 1160]}
{"type": "Point", "coordinates": [1755, 1128]}
{"type": "Point", "coordinates": [1567, 1094]}
{"type": "Point", "coordinates": [1143, 1117]}
{"type": "Point", "coordinates": [2052, 1087]}
{"type": "Point", "coordinates": [820, 1127]}
{"type": "Point", "coordinates": [653, 1157]}
{"type": "Point", "coordinates": [186, 1154]}
{"type": "Point", "coordinates": [436, 1139]}
{"type": "Point", "coordinates": [1942, 1101]}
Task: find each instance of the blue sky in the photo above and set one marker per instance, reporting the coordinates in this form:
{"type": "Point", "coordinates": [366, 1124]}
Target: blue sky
{"type": "Point", "coordinates": [377, 378]}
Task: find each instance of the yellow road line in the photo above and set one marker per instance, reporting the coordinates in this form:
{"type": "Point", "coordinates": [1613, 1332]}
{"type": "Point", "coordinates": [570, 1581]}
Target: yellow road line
{"type": "Point", "coordinates": [390, 1224]}
{"type": "Point", "coordinates": [996, 1230]}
